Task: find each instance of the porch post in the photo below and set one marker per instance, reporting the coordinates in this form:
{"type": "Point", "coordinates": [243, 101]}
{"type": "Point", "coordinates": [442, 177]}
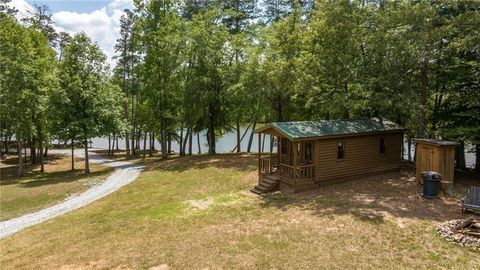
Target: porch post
{"type": "Point", "coordinates": [259, 151]}
{"type": "Point", "coordinates": [279, 150]}
{"type": "Point", "coordinates": [271, 155]}
{"type": "Point", "coordinates": [295, 156]}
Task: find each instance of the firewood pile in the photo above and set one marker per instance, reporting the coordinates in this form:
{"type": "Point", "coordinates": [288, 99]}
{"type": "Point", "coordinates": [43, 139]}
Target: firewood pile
{"type": "Point", "coordinates": [462, 231]}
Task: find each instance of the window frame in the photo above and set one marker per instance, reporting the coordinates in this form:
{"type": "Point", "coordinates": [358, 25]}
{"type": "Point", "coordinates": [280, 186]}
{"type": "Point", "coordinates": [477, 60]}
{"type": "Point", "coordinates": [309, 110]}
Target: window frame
{"type": "Point", "coordinates": [284, 146]}
{"type": "Point", "coordinates": [384, 145]}
{"type": "Point", "coordinates": [343, 150]}
{"type": "Point", "coordinates": [310, 152]}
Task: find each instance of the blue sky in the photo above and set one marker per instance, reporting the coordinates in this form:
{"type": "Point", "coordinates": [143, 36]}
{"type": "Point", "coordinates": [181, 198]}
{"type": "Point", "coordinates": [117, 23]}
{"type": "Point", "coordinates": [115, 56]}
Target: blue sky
{"type": "Point", "coordinates": [99, 19]}
{"type": "Point", "coordinates": [72, 5]}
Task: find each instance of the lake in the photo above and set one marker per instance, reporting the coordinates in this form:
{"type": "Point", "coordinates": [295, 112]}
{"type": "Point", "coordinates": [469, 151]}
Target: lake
{"type": "Point", "coordinates": [228, 141]}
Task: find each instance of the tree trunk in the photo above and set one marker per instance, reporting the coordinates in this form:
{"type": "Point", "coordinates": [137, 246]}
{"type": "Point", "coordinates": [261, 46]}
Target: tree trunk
{"type": "Point", "coordinates": [211, 140]}
{"type": "Point", "coordinates": [109, 143]}
{"type": "Point", "coordinates": [190, 140]}
{"type": "Point", "coordinates": [139, 137]}
{"type": "Point", "coordinates": [46, 151]}
{"type": "Point", "coordinates": [184, 144]}
{"type": "Point", "coordinates": [211, 130]}
{"type": "Point", "coordinates": [409, 146]}
{"type": "Point", "coordinates": [164, 140]}
{"type": "Point", "coordinates": [87, 165]}
{"type": "Point", "coordinates": [477, 157]}
{"type": "Point", "coordinates": [263, 143]}
{"type": "Point", "coordinates": [73, 155]}
{"type": "Point", "coordinates": [250, 140]}
{"type": "Point", "coordinates": [116, 142]}
{"type": "Point", "coordinates": [346, 113]}
{"type": "Point", "coordinates": [153, 140]}
{"type": "Point", "coordinates": [243, 136]}
{"type": "Point", "coordinates": [169, 143]}
{"type": "Point", "coordinates": [423, 99]}
{"type": "Point", "coordinates": [113, 145]}
{"type": "Point", "coordinates": [182, 152]}
{"type": "Point", "coordinates": [460, 155]}
{"type": "Point", "coordinates": [144, 144]}
{"type": "Point", "coordinates": [133, 126]}
{"type": "Point", "coordinates": [7, 142]}
{"type": "Point", "coordinates": [238, 137]}
{"type": "Point", "coordinates": [40, 152]}
{"type": "Point", "coordinates": [150, 148]}
{"type": "Point", "coordinates": [20, 158]}
{"type": "Point", "coordinates": [33, 152]}
{"type": "Point", "coordinates": [198, 143]}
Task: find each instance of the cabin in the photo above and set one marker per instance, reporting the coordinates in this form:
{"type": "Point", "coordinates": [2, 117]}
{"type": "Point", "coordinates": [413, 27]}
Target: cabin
{"type": "Point", "coordinates": [305, 155]}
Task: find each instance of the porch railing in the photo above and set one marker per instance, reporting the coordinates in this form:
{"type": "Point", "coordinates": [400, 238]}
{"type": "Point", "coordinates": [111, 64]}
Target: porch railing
{"type": "Point", "coordinates": [267, 164]}
{"type": "Point", "coordinates": [299, 173]}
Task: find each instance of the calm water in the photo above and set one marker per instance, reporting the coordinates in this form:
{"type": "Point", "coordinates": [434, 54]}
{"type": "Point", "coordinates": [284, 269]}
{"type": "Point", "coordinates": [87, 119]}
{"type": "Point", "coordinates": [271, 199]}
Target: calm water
{"type": "Point", "coordinates": [228, 141]}
{"type": "Point", "coordinates": [225, 143]}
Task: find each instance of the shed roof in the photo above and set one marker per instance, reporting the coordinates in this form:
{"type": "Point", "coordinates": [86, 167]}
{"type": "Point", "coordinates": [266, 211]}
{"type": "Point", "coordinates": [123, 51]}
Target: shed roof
{"type": "Point", "coordinates": [326, 128]}
{"type": "Point", "coordinates": [435, 142]}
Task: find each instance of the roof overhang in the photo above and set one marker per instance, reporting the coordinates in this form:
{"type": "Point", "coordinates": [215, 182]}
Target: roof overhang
{"type": "Point", "coordinates": [435, 142]}
{"type": "Point", "coordinates": [275, 131]}
{"type": "Point", "coordinates": [272, 130]}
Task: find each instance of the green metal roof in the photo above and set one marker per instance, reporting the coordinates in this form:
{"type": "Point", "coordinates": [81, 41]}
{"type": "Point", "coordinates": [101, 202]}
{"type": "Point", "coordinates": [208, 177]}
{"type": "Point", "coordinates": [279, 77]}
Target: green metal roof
{"type": "Point", "coordinates": [323, 128]}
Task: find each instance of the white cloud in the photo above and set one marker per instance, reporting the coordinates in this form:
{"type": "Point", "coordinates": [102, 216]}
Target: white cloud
{"type": "Point", "coordinates": [102, 25]}
{"type": "Point", "coordinates": [23, 8]}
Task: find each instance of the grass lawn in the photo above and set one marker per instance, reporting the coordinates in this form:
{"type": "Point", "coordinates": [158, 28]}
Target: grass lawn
{"type": "Point", "coordinates": [196, 213]}
{"type": "Point", "coordinates": [37, 190]}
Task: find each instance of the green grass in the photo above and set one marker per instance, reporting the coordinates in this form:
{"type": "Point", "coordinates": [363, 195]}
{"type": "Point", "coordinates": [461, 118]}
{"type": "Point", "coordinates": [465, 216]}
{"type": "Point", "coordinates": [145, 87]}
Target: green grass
{"type": "Point", "coordinates": [196, 213]}
{"type": "Point", "coordinates": [35, 190]}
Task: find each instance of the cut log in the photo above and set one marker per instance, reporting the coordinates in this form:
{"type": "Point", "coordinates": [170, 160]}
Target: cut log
{"type": "Point", "coordinates": [464, 224]}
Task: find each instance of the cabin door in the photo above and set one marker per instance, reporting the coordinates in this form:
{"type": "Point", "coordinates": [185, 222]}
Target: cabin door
{"type": "Point", "coordinates": [284, 151]}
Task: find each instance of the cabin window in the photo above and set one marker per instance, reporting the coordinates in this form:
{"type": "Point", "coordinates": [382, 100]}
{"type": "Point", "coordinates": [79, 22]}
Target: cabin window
{"type": "Point", "coordinates": [340, 150]}
{"type": "Point", "coordinates": [382, 145]}
{"type": "Point", "coordinates": [308, 151]}
{"type": "Point", "coordinates": [284, 145]}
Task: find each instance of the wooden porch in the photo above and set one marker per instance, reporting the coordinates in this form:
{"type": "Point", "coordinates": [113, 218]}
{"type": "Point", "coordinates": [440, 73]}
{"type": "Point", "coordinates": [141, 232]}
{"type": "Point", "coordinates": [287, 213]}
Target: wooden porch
{"type": "Point", "coordinates": [289, 173]}
{"type": "Point", "coordinates": [285, 161]}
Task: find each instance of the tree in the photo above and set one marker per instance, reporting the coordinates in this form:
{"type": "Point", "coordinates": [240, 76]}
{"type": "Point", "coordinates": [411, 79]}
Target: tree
{"type": "Point", "coordinates": [41, 19]}
{"type": "Point", "coordinates": [284, 41]}
{"type": "Point", "coordinates": [26, 82]}
{"type": "Point", "coordinates": [206, 46]}
{"type": "Point", "coordinates": [6, 10]}
{"type": "Point", "coordinates": [85, 94]}
{"type": "Point", "coordinates": [128, 59]}
{"type": "Point", "coordinates": [163, 42]}
{"type": "Point", "coordinates": [236, 17]}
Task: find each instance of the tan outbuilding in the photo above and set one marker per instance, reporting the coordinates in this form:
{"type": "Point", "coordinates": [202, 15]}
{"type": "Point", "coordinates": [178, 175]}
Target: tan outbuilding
{"type": "Point", "coordinates": [437, 156]}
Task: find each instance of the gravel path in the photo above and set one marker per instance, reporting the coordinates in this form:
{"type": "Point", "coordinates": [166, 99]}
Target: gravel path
{"type": "Point", "coordinates": [125, 173]}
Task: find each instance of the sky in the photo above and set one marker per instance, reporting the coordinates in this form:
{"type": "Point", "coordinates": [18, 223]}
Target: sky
{"type": "Point", "coordinates": [99, 19]}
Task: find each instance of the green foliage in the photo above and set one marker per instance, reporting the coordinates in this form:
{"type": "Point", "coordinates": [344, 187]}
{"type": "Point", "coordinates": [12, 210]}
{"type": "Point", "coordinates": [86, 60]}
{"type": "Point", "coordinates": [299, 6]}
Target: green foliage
{"type": "Point", "coordinates": [26, 79]}
{"type": "Point", "coordinates": [87, 104]}
{"type": "Point", "coordinates": [213, 65]}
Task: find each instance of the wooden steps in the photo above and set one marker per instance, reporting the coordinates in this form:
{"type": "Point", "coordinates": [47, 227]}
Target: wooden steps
{"type": "Point", "coordinates": [267, 183]}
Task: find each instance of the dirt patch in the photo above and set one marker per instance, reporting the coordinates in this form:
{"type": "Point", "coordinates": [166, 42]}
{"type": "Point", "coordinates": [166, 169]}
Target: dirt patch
{"type": "Point", "coordinates": [200, 204]}
{"type": "Point", "coordinates": [160, 267]}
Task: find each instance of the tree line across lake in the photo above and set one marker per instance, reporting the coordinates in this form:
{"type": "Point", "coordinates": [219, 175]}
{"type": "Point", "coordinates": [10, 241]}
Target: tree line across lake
{"type": "Point", "coordinates": [183, 67]}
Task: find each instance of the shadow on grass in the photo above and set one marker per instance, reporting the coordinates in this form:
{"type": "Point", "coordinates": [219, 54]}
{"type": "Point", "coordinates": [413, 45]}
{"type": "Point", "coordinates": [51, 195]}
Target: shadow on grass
{"type": "Point", "coordinates": [174, 163]}
{"type": "Point", "coordinates": [34, 178]}
{"type": "Point", "coordinates": [61, 177]}
{"type": "Point", "coordinates": [12, 161]}
{"type": "Point", "coordinates": [371, 199]}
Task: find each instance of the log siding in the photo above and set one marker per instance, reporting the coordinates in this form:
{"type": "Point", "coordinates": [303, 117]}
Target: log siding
{"type": "Point", "coordinates": [362, 156]}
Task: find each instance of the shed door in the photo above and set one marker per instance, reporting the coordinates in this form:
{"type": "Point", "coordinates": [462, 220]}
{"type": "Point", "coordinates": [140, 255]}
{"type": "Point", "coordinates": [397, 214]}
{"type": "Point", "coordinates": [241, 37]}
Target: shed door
{"type": "Point", "coordinates": [427, 158]}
